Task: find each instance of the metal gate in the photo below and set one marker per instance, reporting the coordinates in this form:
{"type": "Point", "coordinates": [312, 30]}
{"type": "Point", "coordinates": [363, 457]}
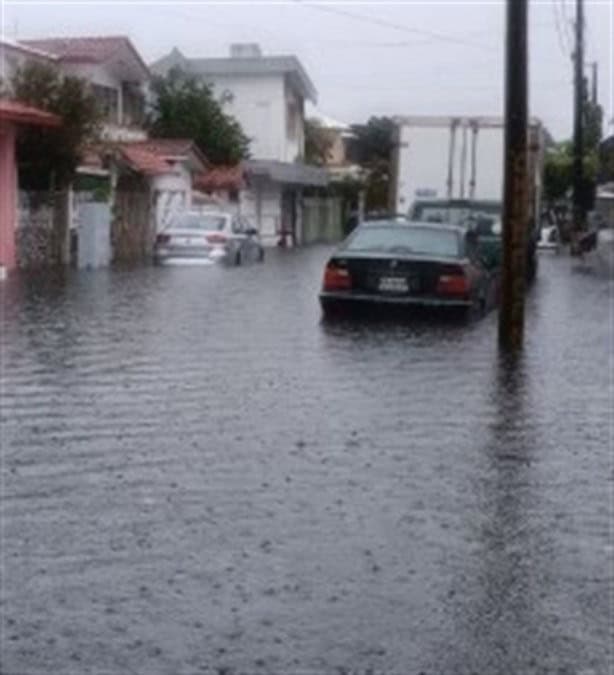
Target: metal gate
{"type": "Point", "coordinates": [132, 232]}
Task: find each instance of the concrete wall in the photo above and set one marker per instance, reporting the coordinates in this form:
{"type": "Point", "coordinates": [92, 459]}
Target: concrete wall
{"type": "Point", "coordinates": [294, 113]}
{"type": "Point", "coordinates": [260, 104]}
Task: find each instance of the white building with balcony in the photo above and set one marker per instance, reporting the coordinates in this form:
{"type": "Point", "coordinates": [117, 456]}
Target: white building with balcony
{"type": "Point", "coordinates": [266, 95]}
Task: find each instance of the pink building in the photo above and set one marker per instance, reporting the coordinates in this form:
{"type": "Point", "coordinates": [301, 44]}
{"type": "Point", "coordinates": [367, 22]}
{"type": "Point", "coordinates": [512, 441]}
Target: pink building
{"type": "Point", "coordinates": [12, 115]}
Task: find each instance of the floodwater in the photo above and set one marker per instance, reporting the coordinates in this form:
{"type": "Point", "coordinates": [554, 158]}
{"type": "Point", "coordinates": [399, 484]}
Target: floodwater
{"type": "Point", "coordinates": [198, 476]}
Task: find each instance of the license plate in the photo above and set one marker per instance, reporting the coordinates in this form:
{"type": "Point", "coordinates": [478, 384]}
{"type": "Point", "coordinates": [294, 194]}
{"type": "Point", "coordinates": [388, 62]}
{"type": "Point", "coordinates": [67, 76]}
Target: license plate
{"type": "Point", "coordinates": [393, 285]}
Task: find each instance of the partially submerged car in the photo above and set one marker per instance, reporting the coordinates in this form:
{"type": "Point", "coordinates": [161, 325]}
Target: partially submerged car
{"type": "Point", "coordinates": [206, 237]}
{"type": "Point", "coordinates": [408, 264]}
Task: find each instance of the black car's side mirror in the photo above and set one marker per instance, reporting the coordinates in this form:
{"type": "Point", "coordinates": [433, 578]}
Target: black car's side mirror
{"type": "Point", "coordinates": [251, 232]}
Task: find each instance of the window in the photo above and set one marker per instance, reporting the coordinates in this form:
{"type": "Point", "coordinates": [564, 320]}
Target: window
{"type": "Point", "coordinates": [133, 105]}
{"type": "Point", "coordinates": [406, 239]}
{"type": "Point", "coordinates": [107, 99]}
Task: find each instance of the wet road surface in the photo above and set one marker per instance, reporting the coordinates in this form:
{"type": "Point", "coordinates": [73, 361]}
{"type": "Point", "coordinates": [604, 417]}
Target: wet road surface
{"type": "Point", "coordinates": [200, 477]}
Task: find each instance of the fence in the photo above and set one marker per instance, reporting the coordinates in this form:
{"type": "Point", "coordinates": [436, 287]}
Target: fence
{"type": "Point", "coordinates": [36, 237]}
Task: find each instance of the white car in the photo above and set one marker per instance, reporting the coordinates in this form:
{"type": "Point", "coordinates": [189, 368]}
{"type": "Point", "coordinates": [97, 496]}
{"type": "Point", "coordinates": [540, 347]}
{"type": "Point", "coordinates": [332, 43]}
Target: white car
{"type": "Point", "coordinates": [206, 237]}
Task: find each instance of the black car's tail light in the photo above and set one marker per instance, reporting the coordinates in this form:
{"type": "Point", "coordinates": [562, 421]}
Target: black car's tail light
{"type": "Point", "coordinates": [456, 285]}
{"type": "Point", "coordinates": [336, 278]}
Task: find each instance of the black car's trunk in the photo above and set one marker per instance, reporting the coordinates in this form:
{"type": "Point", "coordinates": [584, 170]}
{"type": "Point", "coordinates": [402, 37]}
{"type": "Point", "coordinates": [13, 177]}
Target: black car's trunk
{"type": "Point", "coordinates": [396, 276]}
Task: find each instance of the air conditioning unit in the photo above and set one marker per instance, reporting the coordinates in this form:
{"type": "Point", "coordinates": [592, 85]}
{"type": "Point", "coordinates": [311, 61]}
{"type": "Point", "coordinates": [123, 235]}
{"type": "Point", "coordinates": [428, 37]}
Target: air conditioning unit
{"type": "Point", "coordinates": [245, 50]}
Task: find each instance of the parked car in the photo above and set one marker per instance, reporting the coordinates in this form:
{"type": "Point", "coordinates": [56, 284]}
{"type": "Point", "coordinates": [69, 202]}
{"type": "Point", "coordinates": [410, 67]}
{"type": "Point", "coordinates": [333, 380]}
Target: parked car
{"type": "Point", "coordinates": [207, 237]}
{"type": "Point", "coordinates": [408, 264]}
{"type": "Point", "coordinates": [483, 215]}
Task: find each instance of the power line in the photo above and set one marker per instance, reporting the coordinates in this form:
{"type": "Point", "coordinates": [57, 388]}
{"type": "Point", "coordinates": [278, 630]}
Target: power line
{"type": "Point", "coordinates": [567, 25]}
{"type": "Point", "coordinates": [441, 37]}
{"type": "Point", "coordinates": [562, 35]}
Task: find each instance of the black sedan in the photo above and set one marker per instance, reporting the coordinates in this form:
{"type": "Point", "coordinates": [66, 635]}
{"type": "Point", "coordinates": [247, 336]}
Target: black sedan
{"type": "Point", "coordinates": [391, 263]}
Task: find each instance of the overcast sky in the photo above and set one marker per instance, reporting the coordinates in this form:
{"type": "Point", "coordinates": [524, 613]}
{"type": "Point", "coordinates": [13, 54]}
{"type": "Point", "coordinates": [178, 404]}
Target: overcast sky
{"type": "Point", "coordinates": [364, 58]}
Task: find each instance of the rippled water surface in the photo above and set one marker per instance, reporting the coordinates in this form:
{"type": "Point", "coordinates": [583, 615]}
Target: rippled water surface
{"type": "Point", "coordinates": [198, 476]}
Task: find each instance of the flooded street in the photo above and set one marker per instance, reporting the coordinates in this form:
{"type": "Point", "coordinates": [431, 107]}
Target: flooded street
{"type": "Point", "coordinates": [198, 476]}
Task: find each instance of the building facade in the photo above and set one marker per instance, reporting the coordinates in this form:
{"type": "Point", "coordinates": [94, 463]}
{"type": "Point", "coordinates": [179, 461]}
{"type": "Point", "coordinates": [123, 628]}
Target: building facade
{"type": "Point", "coordinates": [266, 95]}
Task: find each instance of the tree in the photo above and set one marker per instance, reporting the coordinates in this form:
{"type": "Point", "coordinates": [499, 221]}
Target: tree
{"type": "Point", "coordinates": [372, 148]}
{"type": "Point", "coordinates": [186, 108]}
{"type": "Point", "coordinates": [558, 172]}
{"type": "Point", "coordinates": [318, 143]}
{"type": "Point", "coordinates": [558, 165]}
{"type": "Point", "coordinates": [50, 157]}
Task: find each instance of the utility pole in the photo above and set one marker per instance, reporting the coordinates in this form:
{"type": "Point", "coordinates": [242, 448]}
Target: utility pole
{"type": "Point", "coordinates": [578, 134]}
{"type": "Point", "coordinates": [516, 193]}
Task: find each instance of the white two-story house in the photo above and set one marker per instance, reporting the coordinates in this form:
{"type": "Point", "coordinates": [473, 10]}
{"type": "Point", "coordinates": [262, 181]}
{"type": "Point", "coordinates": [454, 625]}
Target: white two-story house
{"type": "Point", "coordinates": [266, 95]}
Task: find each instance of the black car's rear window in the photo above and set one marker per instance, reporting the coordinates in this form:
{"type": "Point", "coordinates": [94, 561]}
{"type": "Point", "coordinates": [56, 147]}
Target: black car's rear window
{"type": "Point", "coordinates": [406, 239]}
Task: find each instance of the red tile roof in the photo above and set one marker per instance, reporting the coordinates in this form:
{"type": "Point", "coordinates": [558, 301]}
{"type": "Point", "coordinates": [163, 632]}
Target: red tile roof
{"type": "Point", "coordinates": [151, 157]}
{"type": "Point", "coordinates": [143, 161]}
{"type": "Point", "coordinates": [86, 49]}
{"type": "Point", "coordinates": [221, 178]}
{"type": "Point", "coordinates": [20, 113]}
{"type": "Point", "coordinates": [160, 151]}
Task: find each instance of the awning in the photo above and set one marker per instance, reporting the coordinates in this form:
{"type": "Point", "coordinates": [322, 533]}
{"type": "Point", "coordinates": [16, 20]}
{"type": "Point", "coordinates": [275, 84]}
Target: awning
{"type": "Point", "coordinates": [20, 113]}
{"type": "Point", "coordinates": [286, 172]}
